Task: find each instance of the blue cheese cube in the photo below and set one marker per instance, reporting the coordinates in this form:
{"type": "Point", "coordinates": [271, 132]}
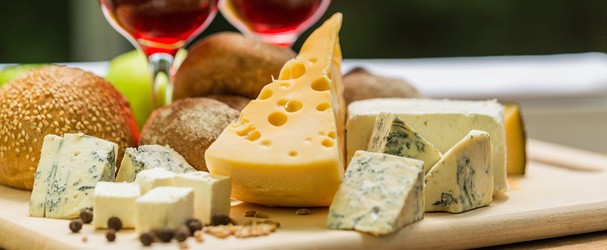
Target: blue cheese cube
{"type": "Point", "coordinates": [380, 193]}
{"type": "Point", "coordinates": [151, 156]}
{"type": "Point", "coordinates": [392, 135]}
{"type": "Point", "coordinates": [115, 199]}
{"type": "Point", "coordinates": [164, 207]}
{"type": "Point", "coordinates": [211, 193]}
{"type": "Point", "coordinates": [463, 178]}
{"type": "Point", "coordinates": [68, 173]}
{"type": "Point", "coordinates": [155, 177]}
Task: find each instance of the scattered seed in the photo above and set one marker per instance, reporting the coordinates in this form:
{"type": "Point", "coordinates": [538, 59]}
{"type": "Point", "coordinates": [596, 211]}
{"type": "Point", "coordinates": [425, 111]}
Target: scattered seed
{"type": "Point", "coordinates": [114, 223]}
{"type": "Point", "coordinates": [110, 235]}
{"type": "Point", "coordinates": [183, 245]}
{"type": "Point", "coordinates": [75, 226]}
{"type": "Point", "coordinates": [85, 238]}
{"type": "Point", "coordinates": [302, 211]}
{"type": "Point", "coordinates": [261, 215]}
{"type": "Point", "coordinates": [146, 239]}
{"type": "Point", "coordinates": [198, 236]}
{"type": "Point", "coordinates": [250, 213]}
{"type": "Point", "coordinates": [86, 216]}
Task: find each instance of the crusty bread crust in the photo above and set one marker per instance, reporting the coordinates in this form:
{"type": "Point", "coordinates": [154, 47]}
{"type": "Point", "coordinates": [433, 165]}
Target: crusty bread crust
{"type": "Point", "coordinates": [189, 126]}
{"type": "Point", "coordinates": [57, 100]}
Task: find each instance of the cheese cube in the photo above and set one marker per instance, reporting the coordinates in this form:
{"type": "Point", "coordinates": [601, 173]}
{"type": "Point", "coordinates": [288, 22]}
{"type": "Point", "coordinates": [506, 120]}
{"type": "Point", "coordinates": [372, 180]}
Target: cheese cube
{"type": "Point", "coordinates": [211, 193]}
{"type": "Point", "coordinates": [463, 178]}
{"type": "Point", "coordinates": [442, 122]}
{"type": "Point", "coordinates": [392, 135]}
{"type": "Point", "coordinates": [286, 149]}
{"type": "Point", "coordinates": [71, 168]}
{"type": "Point", "coordinates": [155, 177]}
{"type": "Point", "coordinates": [380, 194]}
{"type": "Point", "coordinates": [115, 199]}
{"type": "Point", "coordinates": [151, 156]}
{"type": "Point", "coordinates": [164, 207]}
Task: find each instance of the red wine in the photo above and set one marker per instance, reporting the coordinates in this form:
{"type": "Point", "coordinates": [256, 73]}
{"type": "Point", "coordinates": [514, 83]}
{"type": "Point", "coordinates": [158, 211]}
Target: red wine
{"type": "Point", "coordinates": [274, 16]}
{"type": "Point", "coordinates": [160, 25]}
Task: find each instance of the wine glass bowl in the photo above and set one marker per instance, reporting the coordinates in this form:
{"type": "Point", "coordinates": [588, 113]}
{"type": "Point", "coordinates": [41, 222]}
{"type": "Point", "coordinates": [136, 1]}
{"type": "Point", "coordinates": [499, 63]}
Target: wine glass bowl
{"type": "Point", "coordinates": [277, 22]}
{"type": "Point", "coordinates": [159, 28]}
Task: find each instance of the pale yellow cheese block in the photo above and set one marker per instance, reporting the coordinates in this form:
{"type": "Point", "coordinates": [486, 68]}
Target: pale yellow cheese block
{"type": "Point", "coordinates": [286, 147]}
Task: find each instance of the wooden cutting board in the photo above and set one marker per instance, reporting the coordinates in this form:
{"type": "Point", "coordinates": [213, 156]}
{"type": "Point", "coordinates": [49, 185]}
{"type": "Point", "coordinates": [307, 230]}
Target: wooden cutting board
{"type": "Point", "coordinates": [548, 201]}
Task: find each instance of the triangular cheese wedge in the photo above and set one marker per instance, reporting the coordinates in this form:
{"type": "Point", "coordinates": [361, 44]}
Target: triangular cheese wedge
{"type": "Point", "coordinates": [286, 147]}
{"type": "Point", "coordinates": [463, 179]}
{"type": "Point", "coordinates": [391, 135]}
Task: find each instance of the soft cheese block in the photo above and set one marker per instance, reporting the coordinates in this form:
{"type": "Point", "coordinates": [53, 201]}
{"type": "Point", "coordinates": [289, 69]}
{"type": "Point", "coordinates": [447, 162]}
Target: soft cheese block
{"type": "Point", "coordinates": [442, 122]}
{"type": "Point", "coordinates": [211, 193]}
{"type": "Point", "coordinates": [164, 207]}
{"type": "Point", "coordinates": [286, 147]}
{"type": "Point", "coordinates": [151, 156]}
{"type": "Point", "coordinates": [380, 194]}
{"type": "Point", "coordinates": [68, 172]}
{"type": "Point", "coordinates": [115, 199]}
{"type": "Point", "coordinates": [156, 177]}
{"type": "Point", "coordinates": [463, 179]}
{"type": "Point", "coordinates": [392, 135]}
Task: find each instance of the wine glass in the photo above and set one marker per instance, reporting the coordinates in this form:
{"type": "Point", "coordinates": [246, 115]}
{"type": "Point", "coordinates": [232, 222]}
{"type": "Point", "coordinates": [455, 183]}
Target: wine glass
{"type": "Point", "coordinates": [277, 22]}
{"type": "Point", "coordinates": [159, 28]}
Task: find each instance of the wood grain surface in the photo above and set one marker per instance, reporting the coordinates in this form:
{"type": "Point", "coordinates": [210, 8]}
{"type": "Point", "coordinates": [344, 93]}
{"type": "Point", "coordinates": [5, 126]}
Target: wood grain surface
{"type": "Point", "coordinates": [550, 201]}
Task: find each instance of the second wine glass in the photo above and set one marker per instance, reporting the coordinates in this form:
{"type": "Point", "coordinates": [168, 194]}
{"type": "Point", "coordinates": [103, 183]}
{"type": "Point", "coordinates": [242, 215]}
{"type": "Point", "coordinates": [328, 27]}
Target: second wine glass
{"type": "Point", "coordinates": [277, 22]}
{"type": "Point", "coordinates": [159, 28]}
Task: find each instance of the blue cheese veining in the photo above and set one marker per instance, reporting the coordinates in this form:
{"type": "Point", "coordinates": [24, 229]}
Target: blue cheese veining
{"type": "Point", "coordinates": [463, 179]}
{"type": "Point", "coordinates": [68, 172]}
{"type": "Point", "coordinates": [380, 193]}
{"type": "Point", "coordinates": [392, 135]}
{"type": "Point", "coordinates": [151, 156]}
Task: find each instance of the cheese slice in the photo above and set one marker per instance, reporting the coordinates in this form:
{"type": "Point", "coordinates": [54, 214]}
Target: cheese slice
{"type": "Point", "coordinates": [115, 199]}
{"type": "Point", "coordinates": [286, 147]}
{"type": "Point", "coordinates": [67, 175]}
{"type": "Point", "coordinates": [156, 177]}
{"type": "Point", "coordinates": [164, 207]}
{"type": "Point", "coordinates": [463, 179]}
{"type": "Point", "coordinates": [380, 194]}
{"type": "Point", "coordinates": [442, 122]}
{"type": "Point", "coordinates": [515, 139]}
{"type": "Point", "coordinates": [211, 194]}
{"type": "Point", "coordinates": [392, 135]}
{"type": "Point", "coordinates": [148, 157]}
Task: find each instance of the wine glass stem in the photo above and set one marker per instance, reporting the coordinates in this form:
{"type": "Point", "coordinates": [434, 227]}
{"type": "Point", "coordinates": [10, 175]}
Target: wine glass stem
{"type": "Point", "coordinates": [162, 85]}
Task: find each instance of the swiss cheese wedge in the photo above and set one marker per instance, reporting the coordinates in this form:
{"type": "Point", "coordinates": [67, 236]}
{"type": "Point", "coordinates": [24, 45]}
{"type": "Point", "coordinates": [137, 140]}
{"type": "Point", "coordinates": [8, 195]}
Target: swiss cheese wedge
{"type": "Point", "coordinates": [286, 147]}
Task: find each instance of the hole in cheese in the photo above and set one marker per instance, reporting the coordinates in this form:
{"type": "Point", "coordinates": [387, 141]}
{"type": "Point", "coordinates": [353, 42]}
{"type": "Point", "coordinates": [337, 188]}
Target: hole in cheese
{"type": "Point", "coordinates": [265, 94]}
{"type": "Point", "coordinates": [277, 119]}
{"type": "Point", "coordinates": [245, 129]}
{"type": "Point", "coordinates": [321, 132]}
{"type": "Point", "coordinates": [323, 106]}
{"type": "Point", "coordinates": [313, 60]}
{"type": "Point", "coordinates": [293, 153]}
{"type": "Point", "coordinates": [253, 136]}
{"type": "Point", "coordinates": [327, 142]}
{"type": "Point", "coordinates": [284, 85]}
{"type": "Point", "coordinates": [298, 70]}
{"type": "Point", "coordinates": [266, 143]}
{"type": "Point", "coordinates": [331, 134]}
{"type": "Point", "coordinates": [321, 84]}
{"type": "Point", "coordinates": [290, 106]}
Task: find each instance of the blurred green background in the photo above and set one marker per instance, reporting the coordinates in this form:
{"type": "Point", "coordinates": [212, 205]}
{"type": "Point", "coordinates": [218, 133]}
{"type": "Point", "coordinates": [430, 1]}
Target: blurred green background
{"type": "Point", "coordinates": [74, 30]}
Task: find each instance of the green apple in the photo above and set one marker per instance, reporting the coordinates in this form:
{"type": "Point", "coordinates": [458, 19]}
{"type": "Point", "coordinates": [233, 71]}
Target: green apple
{"type": "Point", "coordinates": [130, 74]}
{"type": "Point", "coordinates": [11, 72]}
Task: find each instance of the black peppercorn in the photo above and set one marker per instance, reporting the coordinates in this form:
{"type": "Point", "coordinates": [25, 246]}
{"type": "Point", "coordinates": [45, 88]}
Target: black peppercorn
{"type": "Point", "coordinates": [182, 233]}
{"type": "Point", "coordinates": [75, 226]}
{"type": "Point", "coordinates": [194, 225]}
{"type": "Point", "coordinates": [220, 219]}
{"type": "Point", "coordinates": [86, 216]}
{"type": "Point", "coordinates": [164, 234]}
{"type": "Point", "coordinates": [114, 223]}
{"type": "Point", "coordinates": [110, 235]}
{"type": "Point", "coordinates": [146, 239]}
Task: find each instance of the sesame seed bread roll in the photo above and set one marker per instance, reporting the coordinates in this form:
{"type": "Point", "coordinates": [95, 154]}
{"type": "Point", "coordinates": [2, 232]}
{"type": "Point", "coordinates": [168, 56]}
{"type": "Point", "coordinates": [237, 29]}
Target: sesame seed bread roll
{"type": "Point", "coordinates": [57, 100]}
{"type": "Point", "coordinates": [189, 126]}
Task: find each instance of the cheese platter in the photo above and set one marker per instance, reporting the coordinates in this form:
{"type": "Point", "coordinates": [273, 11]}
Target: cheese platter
{"type": "Point", "coordinates": [278, 165]}
{"type": "Point", "coordinates": [549, 201]}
